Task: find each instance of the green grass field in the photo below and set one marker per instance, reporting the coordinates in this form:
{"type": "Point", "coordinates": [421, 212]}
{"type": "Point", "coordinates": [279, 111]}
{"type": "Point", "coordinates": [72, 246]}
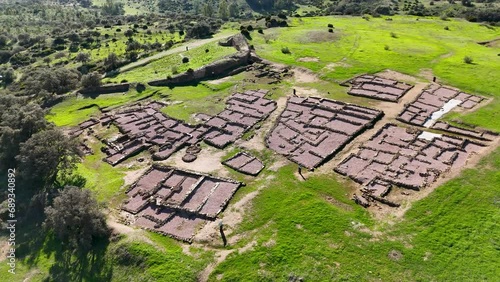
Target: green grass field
{"type": "Point", "coordinates": [312, 229]}
{"type": "Point", "coordinates": [358, 46]}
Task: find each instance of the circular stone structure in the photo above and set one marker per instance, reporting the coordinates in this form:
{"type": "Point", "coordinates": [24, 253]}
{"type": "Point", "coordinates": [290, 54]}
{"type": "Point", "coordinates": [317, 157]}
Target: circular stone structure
{"type": "Point", "coordinates": [193, 150]}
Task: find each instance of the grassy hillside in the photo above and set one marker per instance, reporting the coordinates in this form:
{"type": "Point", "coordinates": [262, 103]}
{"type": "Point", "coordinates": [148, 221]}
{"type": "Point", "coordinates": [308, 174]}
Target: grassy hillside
{"type": "Point", "coordinates": [312, 229]}
{"type": "Point", "coordinates": [451, 235]}
{"type": "Point", "coordinates": [411, 45]}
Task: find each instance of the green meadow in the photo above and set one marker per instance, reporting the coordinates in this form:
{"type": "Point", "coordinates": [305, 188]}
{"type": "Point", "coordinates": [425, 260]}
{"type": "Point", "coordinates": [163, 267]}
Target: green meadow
{"type": "Point", "coordinates": [165, 66]}
{"type": "Point", "coordinates": [420, 47]}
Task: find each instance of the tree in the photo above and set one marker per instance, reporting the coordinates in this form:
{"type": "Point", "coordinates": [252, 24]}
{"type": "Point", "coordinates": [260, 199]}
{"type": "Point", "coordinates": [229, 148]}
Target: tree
{"type": "Point", "coordinates": [208, 10]}
{"type": "Point", "coordinates": [199, 30]}
{"type": "Point", "coordinates": [8, 76]}
{"type": "Point", "coordinates": [113, 8]}
{"type": "Point", "coordinates": [76, 220]}
{"type": "Point", "coordinates": [46, 154]}
{"type": "Point", "coordinates": [111, 61]}
{"type": "Point", "coordinates": [83, 57]}
{"type": "Point", "coordinates": [19, 120]}
{"type": "Point", "coordinates": [91, 80]}
{"type": "Point", "coordinates": [233, 10]}
{"type": "Point", "coordinates": [129, 33]}
{"type": "Point", "coordinates": [57, 80]}
{"type": "Point", "coordinates": [3, 41]}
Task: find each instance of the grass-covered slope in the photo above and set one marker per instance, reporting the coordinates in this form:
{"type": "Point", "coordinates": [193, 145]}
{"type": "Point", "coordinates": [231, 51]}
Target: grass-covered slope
{"type": "Point", "coordinates": [452, 235]}
{"type": "Point", "coordinates": [415, 46]}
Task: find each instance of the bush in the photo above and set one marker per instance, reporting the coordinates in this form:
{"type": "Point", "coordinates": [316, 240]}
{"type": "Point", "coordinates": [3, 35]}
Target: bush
{"type": "Point", "coordinates": [250, 28]}
{"type": "Point", "coordinates": [245, 33]}
{"type": "Point", "coordinates": [468, 60]}
{"type": "Point", "coordinates": [330, 30]}
{"type": "Point", "coordinates": [140, 87]}
{"type": "Point", "coordinates": [330, 25]}
{"type": "Point", "coordinates": [393, 35]}
{"type": "Point", "coordinates": [206, 50]}
{"type": "Point", "coordinates": [174, 70]}
{"type": "Point", "coordinates": [446, 28]}
{"type": "Point", "coordinates": [260, 31]}
{"type": "Point", "coordinates": [190, 70]}
{"type": "Point", "coordinates": [285, 50]}
{"type": "Point", "coordinates": [387, 48]}
{"type": "Point", "coordinates": [185, 60]}
{"type": "Point", "coordinates": [91, 80]}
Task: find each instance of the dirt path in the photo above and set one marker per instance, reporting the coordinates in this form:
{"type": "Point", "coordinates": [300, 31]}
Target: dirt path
{"type": "Point", "coordinates": [257, 142]}
{"type": "Point", "coordinates": [178, 49]}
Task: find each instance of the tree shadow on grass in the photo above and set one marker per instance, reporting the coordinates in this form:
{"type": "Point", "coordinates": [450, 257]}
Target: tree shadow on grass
{"type": "Point", "coordinates": [35, 246]}
{"type": "Point", "coordinates": [88, 266]}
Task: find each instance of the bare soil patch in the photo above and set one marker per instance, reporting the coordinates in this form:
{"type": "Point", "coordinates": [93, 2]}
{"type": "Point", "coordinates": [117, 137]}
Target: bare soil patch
{"type": "Point", "coordinates": [339, 64]}
{"type": "Point", "coordinates": [318, 36]}
{"type": "Point", "coordinates": [303, 75]}
{"type": "Point", "coordinates": [308, 59]}
{"type": "Point", "coordinates": [390, 74]}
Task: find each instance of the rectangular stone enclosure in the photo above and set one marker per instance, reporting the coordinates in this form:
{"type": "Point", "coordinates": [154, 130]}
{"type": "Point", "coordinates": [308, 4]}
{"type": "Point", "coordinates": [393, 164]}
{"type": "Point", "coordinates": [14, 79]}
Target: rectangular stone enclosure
{"type": "Point", "coordinates": [245, 163]}
{"type": "Point", "coordinates": [176, 202]}
{"type": "Point", "coordinates": [375, 87]}
{"type": "Point", "coordinates": [407, 158]}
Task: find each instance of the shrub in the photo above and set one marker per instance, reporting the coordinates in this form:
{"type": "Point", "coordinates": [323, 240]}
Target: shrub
{"type": "Point", "coordinates": [174, 70]}
{"type": "Point", "coordinates": [387, 48]}
{"type": "Point", "coordinates": [245, 33]}
{"type": "Point", "coordinates": [250, 27]}
{"type": "Point", "coordinates": [185, 60]}
{"type": "Point", "coordinates": [285, 50]}
{"type": "Point", "coordinates": [393, 35]}
{"type": "Point", "coordinates": [446, 28]}
{"type": "Point", "coordinates": [140, 87]}
{"type": "Point", "coordinates": [330, 25]}
{"type": "Point", "coordinates": [206, 50]}
{"type": "Point", "coordinates": [468, 60]}
{"type": "Point", "coordinates": [260, 31]}
{"type": "Point", "coordinates": [190, 70]}
{"type": "Point", "coordinates": [330, 30]}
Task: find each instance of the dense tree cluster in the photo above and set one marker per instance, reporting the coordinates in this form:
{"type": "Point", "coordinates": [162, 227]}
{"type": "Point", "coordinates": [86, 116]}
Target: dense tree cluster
{"type": "Point", "coordinates": [56, 80]}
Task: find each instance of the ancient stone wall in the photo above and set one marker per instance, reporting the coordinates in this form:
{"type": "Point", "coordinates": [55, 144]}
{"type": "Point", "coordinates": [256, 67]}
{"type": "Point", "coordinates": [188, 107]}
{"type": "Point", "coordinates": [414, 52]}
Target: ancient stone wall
{"type": "Point", "coordinates": [106, 89]}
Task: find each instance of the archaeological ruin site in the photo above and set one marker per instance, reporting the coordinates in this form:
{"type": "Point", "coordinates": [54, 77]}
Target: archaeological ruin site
{"type": "Point", "coordinates": [377, 88]}
{"type": "Point", "coordinates": [311, 130]}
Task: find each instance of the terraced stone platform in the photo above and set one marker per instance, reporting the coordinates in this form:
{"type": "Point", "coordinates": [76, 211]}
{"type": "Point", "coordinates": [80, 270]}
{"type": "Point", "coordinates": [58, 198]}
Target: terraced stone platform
{"type": "Point", "coordinates": [245, 163]}
{"type": "Point", "coordinates": [433, 102]}
{"type": "Point", "coordinates": [311, 130]}
{"type": "Point", "coordinates": [375, 87]}
{"type": "Point", "coordinates": [406, 158]}
{"type": "Point", "coordinates": [176, 202]}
